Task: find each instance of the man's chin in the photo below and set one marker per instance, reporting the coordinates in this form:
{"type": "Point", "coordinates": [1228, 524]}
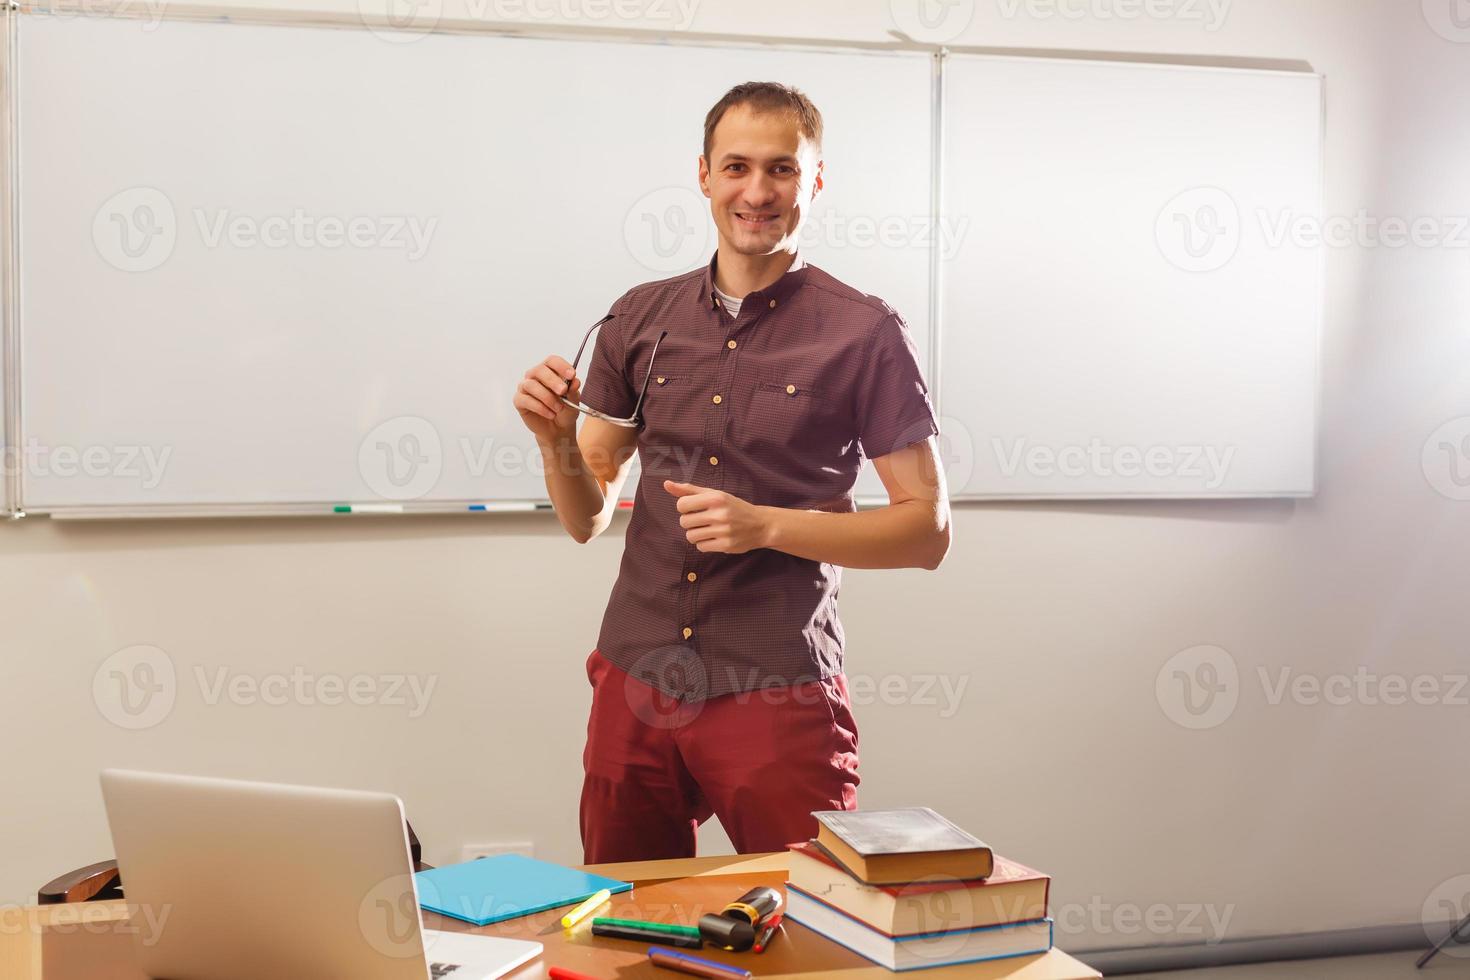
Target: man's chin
{"type": "Point", "coordinates": [755, 243]}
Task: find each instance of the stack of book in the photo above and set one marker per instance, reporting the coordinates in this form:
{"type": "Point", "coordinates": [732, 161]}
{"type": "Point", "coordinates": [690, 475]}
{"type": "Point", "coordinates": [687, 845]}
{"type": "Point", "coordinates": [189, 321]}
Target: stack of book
{"type": "Point", "coordinates": [908, 889]}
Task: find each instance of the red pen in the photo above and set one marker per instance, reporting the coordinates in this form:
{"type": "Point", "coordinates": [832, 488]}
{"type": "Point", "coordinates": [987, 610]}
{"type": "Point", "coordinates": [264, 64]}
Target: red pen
{"type": "Point", "coordinates": [767, 931]}
{"type": "Point", "coordinates": [557, 973]}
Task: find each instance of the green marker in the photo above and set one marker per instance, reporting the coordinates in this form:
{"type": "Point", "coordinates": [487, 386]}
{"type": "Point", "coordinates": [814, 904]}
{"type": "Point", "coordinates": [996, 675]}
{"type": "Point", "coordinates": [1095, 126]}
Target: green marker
{"type": "Point", "coordinates": [655, 926]}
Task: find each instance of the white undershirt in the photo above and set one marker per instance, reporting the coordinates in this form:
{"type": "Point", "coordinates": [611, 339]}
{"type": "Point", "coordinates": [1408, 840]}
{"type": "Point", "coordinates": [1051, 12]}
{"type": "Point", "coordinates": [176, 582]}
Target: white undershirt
{"type": "Point", "coordinates": [731, 304]}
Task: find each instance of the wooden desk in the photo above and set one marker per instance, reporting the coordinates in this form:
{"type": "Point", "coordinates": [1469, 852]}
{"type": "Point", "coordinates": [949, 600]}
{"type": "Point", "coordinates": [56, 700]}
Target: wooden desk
{"type": "Point", "coordinates": [92, 941]}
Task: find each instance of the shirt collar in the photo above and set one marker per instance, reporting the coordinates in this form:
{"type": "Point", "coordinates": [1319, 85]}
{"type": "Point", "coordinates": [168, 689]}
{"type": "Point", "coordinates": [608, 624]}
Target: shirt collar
{"type": "Point", "coordinates": [775, 294]}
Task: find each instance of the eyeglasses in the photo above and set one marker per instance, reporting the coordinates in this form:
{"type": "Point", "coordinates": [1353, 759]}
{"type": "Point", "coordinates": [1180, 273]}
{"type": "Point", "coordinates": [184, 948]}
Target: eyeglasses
{"type": "Point", "coordinates": [635, 420]}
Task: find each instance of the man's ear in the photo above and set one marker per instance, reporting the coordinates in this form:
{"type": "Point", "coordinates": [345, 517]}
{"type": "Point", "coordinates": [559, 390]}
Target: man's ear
{"type": "Point", "coordinates": [704, 175]}
{"type": "Point", "coordinates": [817, 185]}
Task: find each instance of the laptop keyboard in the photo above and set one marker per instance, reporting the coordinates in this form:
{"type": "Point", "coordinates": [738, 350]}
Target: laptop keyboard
{"type": "Point", "coordinates": [437, 970]}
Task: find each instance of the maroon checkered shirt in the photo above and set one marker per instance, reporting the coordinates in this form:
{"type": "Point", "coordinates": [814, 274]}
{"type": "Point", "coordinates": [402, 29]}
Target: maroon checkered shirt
{"type": "Point", "coordinates": [779, 407]}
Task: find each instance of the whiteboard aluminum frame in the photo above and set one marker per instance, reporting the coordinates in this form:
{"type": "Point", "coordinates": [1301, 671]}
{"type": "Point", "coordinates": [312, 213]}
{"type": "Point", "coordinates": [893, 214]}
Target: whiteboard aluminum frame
{"type": "Point", "coordinates": [10, 380]}
{"type": "Point", "coordinates": [940, 54]}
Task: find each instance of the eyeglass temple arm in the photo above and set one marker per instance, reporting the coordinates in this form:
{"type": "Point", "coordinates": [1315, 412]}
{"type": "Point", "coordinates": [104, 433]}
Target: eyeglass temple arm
{"type": "Point", "coordinates": [638, 407]}
{"type": "Point", "coordinates": [585, 337]}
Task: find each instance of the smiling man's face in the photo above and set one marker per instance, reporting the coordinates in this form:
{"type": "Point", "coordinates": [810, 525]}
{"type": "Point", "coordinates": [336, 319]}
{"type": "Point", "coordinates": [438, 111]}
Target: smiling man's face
{"type": "Point", "coordinates": [761, 177]}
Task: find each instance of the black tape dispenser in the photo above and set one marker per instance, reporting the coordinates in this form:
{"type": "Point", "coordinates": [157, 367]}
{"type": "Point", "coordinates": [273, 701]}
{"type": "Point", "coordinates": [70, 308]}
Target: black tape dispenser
{"type": "Point", "coordinates": [734, 928]}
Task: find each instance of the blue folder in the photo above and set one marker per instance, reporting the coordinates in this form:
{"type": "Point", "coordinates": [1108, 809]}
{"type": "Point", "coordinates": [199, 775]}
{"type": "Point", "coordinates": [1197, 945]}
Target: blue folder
{"type": "Point", "coordinates": [505, 886]}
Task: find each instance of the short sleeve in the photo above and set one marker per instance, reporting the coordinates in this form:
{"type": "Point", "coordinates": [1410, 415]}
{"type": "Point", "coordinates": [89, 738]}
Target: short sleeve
{"type": "Point", "coordinates": [605, 383]}
{"type": "Point", "coordinates": [893, 407]}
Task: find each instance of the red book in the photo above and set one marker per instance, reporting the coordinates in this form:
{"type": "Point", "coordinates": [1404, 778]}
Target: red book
{"type": "Point", "coordinates": [1012, 893]}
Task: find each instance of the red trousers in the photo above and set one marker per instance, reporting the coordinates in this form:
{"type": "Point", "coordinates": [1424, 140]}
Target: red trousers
{"type": "Point", "coordinates": [656, 768]}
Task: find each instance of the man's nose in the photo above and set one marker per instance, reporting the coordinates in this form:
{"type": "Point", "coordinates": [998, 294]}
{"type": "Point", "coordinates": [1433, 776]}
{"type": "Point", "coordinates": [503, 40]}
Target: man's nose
{"type": "Point", "coordinates": [760, 191]}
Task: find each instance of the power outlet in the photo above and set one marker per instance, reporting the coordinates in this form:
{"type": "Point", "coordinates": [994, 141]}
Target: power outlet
{"type": "Point", "coordinates": [472, 852]}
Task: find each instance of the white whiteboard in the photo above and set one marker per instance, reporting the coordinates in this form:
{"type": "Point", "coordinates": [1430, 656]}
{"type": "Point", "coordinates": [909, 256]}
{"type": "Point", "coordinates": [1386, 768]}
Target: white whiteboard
{"type": "Point", "coordinates": [181, 365]}
{"type": "Point", "coordinates": [1088, 348]}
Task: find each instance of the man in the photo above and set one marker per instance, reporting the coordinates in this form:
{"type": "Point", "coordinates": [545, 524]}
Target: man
{"type": "Point", "coordinates": [717, 678]}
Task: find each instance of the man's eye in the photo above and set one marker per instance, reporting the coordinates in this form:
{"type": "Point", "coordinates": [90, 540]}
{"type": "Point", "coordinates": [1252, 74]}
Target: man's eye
{"type": "Point", "coordinates": [735, 166]}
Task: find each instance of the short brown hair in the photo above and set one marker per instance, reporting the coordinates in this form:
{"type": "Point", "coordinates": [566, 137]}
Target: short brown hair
{"type": "Point", "coordinates": [766, 97]}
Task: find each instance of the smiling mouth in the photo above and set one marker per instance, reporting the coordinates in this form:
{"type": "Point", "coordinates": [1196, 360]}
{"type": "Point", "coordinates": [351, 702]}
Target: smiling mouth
{"type": "Point", "coordinates": [751, 219]}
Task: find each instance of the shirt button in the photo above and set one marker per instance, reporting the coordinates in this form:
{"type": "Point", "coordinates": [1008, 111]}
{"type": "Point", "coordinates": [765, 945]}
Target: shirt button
{"type": "Point", "coordinates": [688, 632]}
{"type": "Point", "coordinates": [714, 461]}
{"type": "Point", "coordinates": [716, 399]}
{"type": "Point", "coordinates": [773, 304]}
{"type": "Point", "coordinates": [661, 379]}
{"type": "Point", "coordinates": [791, 389]}
{"type": "Point", "coordinates": [730, 344]}
{"type": "Point", "coordinates": [691, 576]}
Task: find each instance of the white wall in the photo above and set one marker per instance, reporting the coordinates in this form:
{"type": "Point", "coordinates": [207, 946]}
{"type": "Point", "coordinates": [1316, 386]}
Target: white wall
{"type": "Point", "coordinates": [1056, 618]}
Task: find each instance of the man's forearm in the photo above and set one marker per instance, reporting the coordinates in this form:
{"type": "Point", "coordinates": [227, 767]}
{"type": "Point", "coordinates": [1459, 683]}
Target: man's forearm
{"type": "Point", "coordinates": [579, 498]}
{"type": "Point", "coordinates": [906, 534]}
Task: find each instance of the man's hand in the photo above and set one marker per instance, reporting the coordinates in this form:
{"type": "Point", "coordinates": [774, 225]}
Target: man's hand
{"type": "Point", "coordinates": [538, 399]}
{"type": "Point", "coordinates": [714, 520]}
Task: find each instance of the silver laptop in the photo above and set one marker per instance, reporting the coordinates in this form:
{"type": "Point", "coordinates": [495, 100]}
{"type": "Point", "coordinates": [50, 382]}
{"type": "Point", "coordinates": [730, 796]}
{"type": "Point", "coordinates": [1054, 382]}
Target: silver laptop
{"type": "Point", "coordinates": [242, 880]}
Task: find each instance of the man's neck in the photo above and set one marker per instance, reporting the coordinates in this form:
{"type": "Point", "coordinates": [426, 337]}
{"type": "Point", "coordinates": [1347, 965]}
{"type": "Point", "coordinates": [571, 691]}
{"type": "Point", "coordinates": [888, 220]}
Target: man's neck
{"type": "Point", "coordinates": [740, 275]}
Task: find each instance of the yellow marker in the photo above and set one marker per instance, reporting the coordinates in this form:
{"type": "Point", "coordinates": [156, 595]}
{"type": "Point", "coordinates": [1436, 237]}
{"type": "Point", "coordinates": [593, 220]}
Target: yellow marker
{"type": "Point", "coordinates": [585, 909]}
